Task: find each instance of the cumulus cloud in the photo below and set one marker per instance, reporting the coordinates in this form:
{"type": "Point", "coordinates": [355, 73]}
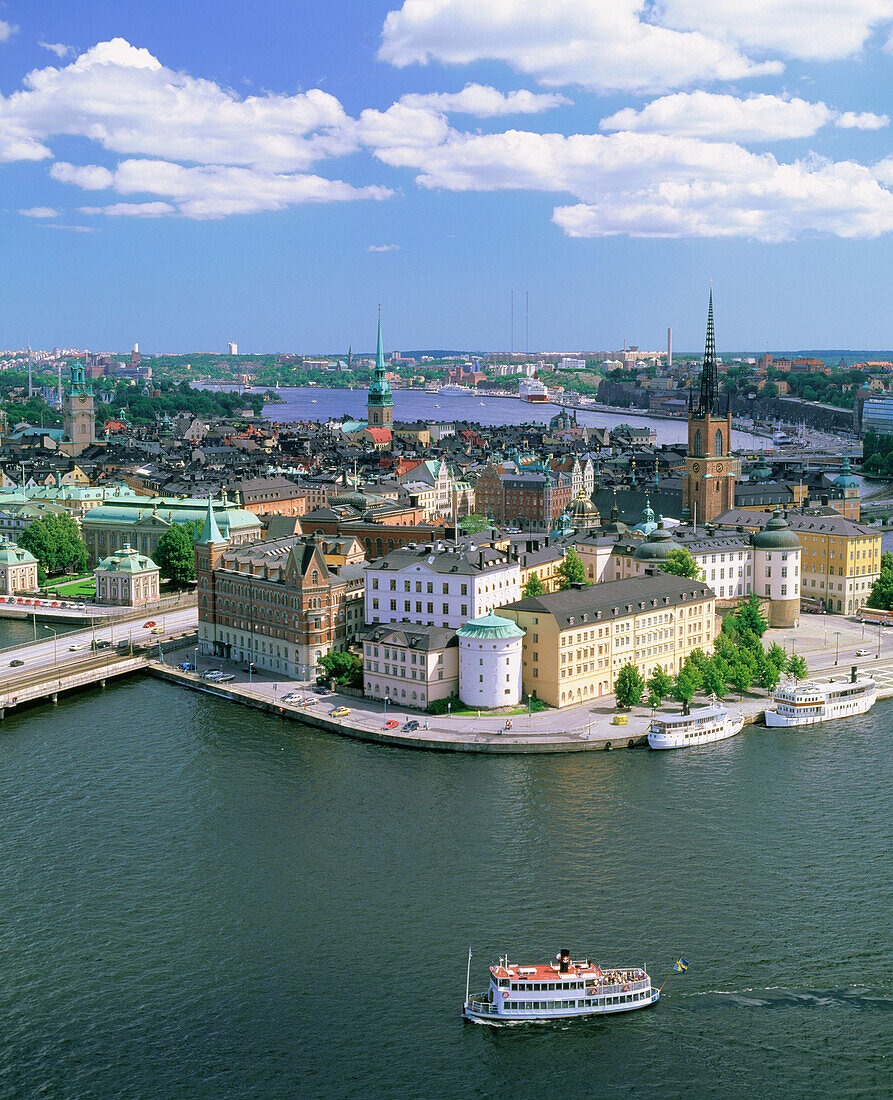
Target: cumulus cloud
{"type": "Point", "coordinates": [861, 120]}
{"type": "Point", "coordinates": [485, 102]}
{"type": "Point", "coordinates": [58, 48]}
{"type": "Point", "coordinates": [7, 30]}
{"type": "Point", "coordinates": [616, 46]}
{"type": "Point", "coordinates": [132, 209]}
{"type": "Point", "coordinates": [40, 212]}
{"type": "Point", "coordinates": [383, 248]}
{"type": "Point", "coordinates": [209, 191]}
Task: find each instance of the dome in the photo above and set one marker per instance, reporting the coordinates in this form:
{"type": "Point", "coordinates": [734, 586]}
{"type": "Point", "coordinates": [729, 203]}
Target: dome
{"type": "Point", "coordinates": [657, 547]}
{"type": "Point", "coordinates": [490, 626]}
{"type": "Point", "coordinates": [614, 526]}
{"type": "Point", "coordinates": [846, 479]}
{"type": "Point", "coordinates": [648, 523]}
{"type": "Point", "coordinates": [10, 554]}
{"type": "Point", "coordinates": [126, 560]}
{"type": "Point", "coordinates": [761, 472]}
{"type": "Point", "coordinates": [582, 511]}
{"type": "Point", "coordinates": [776, 535]}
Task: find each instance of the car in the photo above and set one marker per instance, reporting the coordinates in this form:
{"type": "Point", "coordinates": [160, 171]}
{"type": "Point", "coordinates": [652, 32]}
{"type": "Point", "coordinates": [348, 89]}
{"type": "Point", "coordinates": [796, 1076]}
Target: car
{"type": "Point", "coordinates": [224, 678]}
{"type": "Point", "coordinates": [249, 668]}
{"type": "Point", "coordinates": [862, 652]}
{"type": "Point", "coordinates": [157, 630]}
{"type": "Point", "coordinates": [77, 645]}
{"type": "Point", "coordinates": [340, 712]}
{"type": "Point", "coordinates": [16, 663]}
{"type": "Point", "coordinates": [186, 667]}
{"type": "Point", "coordinates": [391, 724]}
{"type": "Point", "coordinates": [323, 691]}
{"type": "Point", "coordinates": [409, 727]}
{"type": "Point", "coordinates": [212, 673]}
{"type": "Point", "coordinates": [149, 624]}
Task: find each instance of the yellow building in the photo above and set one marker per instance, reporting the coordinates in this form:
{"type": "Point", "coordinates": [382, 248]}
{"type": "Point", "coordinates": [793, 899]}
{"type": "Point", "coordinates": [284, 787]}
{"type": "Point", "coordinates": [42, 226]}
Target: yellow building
{"type": "Point", "coordinates": [542, 563]}
{"type": "Point", "coordinates": [840, 561]}
{"type": "Point", "coordinates": [577, 640]}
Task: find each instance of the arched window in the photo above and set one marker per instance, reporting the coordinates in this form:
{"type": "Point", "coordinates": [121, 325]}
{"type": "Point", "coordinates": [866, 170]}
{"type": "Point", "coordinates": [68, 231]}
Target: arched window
{"type": "Point", "coordinates": [314, 576]}
{"type": "Point", "coordinates": [717, 442]}
{"type": "Point", "coordinates": [697, 444]}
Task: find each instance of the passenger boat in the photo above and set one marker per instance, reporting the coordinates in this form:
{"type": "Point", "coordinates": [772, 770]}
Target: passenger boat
{"type": "Point", "coordinates": [557, 991]}
{"type": "Point", "coordinates": [699, 727]}
{"type": "Point", "coordinates": [810, 702]}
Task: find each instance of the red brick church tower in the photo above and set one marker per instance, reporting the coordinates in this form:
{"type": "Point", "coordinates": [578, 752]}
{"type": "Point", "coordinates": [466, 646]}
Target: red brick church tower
{"type": "Point", "coordinates": [710, 469]}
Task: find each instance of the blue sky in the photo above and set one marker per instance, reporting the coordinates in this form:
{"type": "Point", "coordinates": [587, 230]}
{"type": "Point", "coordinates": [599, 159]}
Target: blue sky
{"type": "Point", "coordinates": [183, 175]}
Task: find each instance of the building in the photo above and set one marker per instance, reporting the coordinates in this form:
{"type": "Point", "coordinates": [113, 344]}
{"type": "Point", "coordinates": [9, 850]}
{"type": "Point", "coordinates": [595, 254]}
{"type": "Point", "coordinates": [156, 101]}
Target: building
{"type": "Point", "coordinates": [529, 500]}
{"type": "Point", "coordinates": [78, 413]}
{"type": "Point", "coordinates": [380, 402]}
{"type": "Point", "coordinates": [710, 469]}
{"type": "Point", "coordinates": [232, 348]}
{"type": "Point", "coordinates": [578, 639]}
{"type": "Point", "coordinates": [140, 522]}
{"type": "Point", "coordinates": [18, 569]}
{"type": "Point", "coordinates": [840, 559]}
{"type": "Point", "coordinates": [127, 579]}
{"type": "Point", "coordinates": [437, 585]}
{"type": "Point", "coordinates": [490, 662]}
{"type": "Point", "coordinates": [411, 666]}
{"type": "Point", "coordinates": [270, 496]}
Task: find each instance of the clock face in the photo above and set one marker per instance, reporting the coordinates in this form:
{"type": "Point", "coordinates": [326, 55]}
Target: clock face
{"type": "Point", "coordinates": [719, 468]}
{"type": "Point", "coordinates": [83, 399]}
{"type": "Point", "coordinates": [696, 467]}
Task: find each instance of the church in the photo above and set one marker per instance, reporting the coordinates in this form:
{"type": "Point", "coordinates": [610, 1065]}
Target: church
{"type": "Point", "coordinates": [78, 413]}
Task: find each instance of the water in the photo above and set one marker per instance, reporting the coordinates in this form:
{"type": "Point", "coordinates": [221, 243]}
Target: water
{"type": "Point", "coordinates": [312, 403]}
{"type": "Point", "coordinates": [204, 902]}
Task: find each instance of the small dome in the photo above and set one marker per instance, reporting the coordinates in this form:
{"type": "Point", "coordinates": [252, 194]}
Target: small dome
{"type": "Point", "coordinates": [490, 626]}
{"type": "Point", "coordinates": [846, 479]}
{"type": "Point", "coordinates": [582, 511]}
{"type": "Point", "coordinates": [614, 526]}
{"type": "Point", "coordinates": [776, 535]}
{"type": "Point", "coordinates": [648, 523]}
{"type": "Point", "coordinates": [10, 554]}
{"type": "Point", "coordinates": [126, 560]}
{"type": "Point", "coordinates": [657, 547]}
{"type": "Point", "coordinates": [761, 472]}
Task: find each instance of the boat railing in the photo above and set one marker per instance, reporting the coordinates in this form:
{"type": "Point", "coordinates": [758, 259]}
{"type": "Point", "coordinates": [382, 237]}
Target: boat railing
{"type": "Point", "coordinates": [480, 1004]}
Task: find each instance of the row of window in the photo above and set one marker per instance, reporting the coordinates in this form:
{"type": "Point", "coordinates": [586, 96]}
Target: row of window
{"type": "Point", "coordinates": [546, 1006]}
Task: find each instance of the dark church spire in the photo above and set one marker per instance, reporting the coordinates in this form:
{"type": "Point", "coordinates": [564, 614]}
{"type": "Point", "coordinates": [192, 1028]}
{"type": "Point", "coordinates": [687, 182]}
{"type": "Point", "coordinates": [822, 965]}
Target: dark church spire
{"type": "Point", "coordinates": [709, 398]}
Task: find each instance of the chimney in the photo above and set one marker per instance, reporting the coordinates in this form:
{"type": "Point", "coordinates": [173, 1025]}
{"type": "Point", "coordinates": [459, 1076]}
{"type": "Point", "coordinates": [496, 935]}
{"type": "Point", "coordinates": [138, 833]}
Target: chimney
{"type": "Point", "coordinates": [853, 674]}
{"type": "Point", "coordinates": [669, 347]}
{"type": "Point", "coordinates": [564, 961]}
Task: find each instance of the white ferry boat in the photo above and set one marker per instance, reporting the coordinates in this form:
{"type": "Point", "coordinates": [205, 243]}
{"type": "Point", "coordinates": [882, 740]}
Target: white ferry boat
{"type": "Point", "coordinates": [810, 702]}
{"type": "Point", "coordinates": [454, 388]}
{"type": "Point", "coordinates": [531, 389]}
{"type": "Point", "coordinates": [700, 727]}
{"type": "Point", "coordinates": [557, 991]}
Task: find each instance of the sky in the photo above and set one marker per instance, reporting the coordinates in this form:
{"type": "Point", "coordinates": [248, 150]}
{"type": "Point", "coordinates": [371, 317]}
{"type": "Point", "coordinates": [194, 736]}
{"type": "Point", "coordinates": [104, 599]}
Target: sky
{"type": "Point", "coordinates": [181, 175]}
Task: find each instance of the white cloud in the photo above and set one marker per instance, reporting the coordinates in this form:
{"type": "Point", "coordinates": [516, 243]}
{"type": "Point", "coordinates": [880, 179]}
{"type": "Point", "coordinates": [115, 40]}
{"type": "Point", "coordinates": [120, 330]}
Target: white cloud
{"type": "Point", "coordinates": [819, 30]}
{"type": "Point", "coordinates": [58, 48]}
{"type": "Point", "coordinates": [402, 126]}
{"type": "Point", "coordinates": [702, 114]}
{"type": "Point", "coordinates": [383, 248]}
{"type": "Point", "coordinates": [132, 209]}
{"type": "Point", "coordinates": [7, 30]}
{"type": "Point", "coordinates": [486, 102]}
{"type": "Point", "coordinates": [40, 212]}
{"type": "Point", "coordinates": [70, 228]}
{"type": "Point", "coordinates": [607, 46]}
{"type": "Point", "coordinates": [861, 120]}
{"type": "Point", "coordinates": [211, 191]}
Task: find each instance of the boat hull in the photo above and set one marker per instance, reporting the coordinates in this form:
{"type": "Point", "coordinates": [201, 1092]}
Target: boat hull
{"type": "Point", "coordinates": [509, 1018]}
{"type": "Point", "coordinates": [680, 741]}
{"type": "Point", "coordinates": [861, 705]}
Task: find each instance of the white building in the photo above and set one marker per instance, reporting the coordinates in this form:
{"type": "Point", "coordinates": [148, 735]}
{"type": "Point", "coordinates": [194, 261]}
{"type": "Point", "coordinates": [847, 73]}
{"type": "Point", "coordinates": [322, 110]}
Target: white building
{"type": "Point", "coordinates": [232, 348]}
{"type": "Point", "coordinates": [490, 662]}
{"type": "Point", "coordinates": [410, 666]}
{"type": "Point", "coordinates": [567, 363]}
{"type": "Point", "coordinates": [18, 569]}
{"type": "Point", "coordinates": [437, 585]}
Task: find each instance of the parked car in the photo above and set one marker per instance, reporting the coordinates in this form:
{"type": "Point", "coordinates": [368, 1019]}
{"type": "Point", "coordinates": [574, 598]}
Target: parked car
{"type": "Point", "coordinates": [862, 652]}
{"type": "Point", "coordinates": [323, 691]}
{"type": "Point", "coordinates": [224, 678]}
{"type": "Point", "coordinates": [186, 667]}
{"type": "Point", "coordinates": [249, 668]}
{"type": "Point", "coordinates": [16, 663]}
{"type": "Point", "coordinates": [340, 712]}
{"type": "Point", "coordinates": [391, 724]}
{"type": "Point", "coordinates": [408, 727]}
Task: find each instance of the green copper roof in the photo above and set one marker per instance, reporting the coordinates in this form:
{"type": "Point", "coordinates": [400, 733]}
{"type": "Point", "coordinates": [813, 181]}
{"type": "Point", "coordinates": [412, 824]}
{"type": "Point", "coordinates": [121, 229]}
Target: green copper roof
{"type": "Point", "coordinates": [846, 479]}
{"type": "Point", "coordinates": [776, 535]}
{"type": "Point", "coordinates": [10, 554]}
{"type": "Point", "coordinates": [126, 560]}
{"type": "Point", "coordinates": [490, 626]}
{"type": "Point", "coordinates": [210, 532]}
{"type": "Point", "coordinates": [380, 390]}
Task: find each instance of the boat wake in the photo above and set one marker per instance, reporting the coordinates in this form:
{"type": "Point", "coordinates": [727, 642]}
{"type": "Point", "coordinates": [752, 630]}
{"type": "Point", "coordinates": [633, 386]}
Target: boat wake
{"type": "Point", "coordinates": [863, 998]}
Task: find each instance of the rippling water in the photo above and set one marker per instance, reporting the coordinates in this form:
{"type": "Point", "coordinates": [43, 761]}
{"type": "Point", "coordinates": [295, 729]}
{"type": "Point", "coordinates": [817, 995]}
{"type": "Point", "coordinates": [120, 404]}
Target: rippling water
{"type": "Point", "coordinates": [201, 901]}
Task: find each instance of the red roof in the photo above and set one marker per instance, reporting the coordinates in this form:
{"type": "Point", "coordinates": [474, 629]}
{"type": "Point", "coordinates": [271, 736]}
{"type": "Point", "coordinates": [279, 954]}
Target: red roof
{"type": "Point", "coordinates": [380, 435]}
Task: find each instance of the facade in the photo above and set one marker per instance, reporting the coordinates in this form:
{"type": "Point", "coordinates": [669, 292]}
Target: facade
{"type": "Point", "coordinates": [411, 666]}
{"type": "Point", "coordinates": [78, 413]}
{"type": "Point", "coordinates": [777, 571]}
{"type": "Point", "coordinates": [710, 469]}
{"type": "Point", "coordinates": [380, 403]}
{"type": "Point", "coordinates": [529, 500]}
{"type": "Point", "coordinates": [270, 496]}
{"type": "Point", "coordinates": [437, 585]}
{"type": "Point", "coordinates": [577, 640]}
{"type": "Point", "coordinates": [127, 579]}
{"type": "Point", "coordinates": [490, 662]}
{"type": "Point", "coordinates": [18, 569]}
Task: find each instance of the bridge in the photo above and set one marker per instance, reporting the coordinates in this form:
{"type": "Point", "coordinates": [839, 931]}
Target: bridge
{"type": "Point", "coordinates": [49, 683]}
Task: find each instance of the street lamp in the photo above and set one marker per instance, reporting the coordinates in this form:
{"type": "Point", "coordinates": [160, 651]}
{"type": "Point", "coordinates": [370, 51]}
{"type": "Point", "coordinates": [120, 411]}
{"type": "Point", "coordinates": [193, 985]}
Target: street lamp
{"type": "Point", "coordinates": [195, 662]}
{"type": "Point", "coordinates": [837, 650]}
{"type": "Point", "coordinates": [877, 657]}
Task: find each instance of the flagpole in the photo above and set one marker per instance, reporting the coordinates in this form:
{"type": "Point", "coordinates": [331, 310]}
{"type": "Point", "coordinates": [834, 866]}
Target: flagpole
{"type": "Point", "coordinates": [666, 979]}
{"type": "Point", "coordinates": [468, 976]}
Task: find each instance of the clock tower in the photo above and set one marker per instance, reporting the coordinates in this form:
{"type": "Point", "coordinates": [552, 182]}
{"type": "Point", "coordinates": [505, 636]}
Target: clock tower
{"type": "Point", "coordinates": [78, 412]}
{"type": "Point", "coordinates": [710, 469]}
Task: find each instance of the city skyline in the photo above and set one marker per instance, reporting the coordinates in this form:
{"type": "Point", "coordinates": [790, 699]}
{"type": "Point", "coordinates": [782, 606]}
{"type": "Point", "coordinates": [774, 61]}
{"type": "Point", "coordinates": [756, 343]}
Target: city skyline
{"type": "Point", "coordinates": [270, 180]}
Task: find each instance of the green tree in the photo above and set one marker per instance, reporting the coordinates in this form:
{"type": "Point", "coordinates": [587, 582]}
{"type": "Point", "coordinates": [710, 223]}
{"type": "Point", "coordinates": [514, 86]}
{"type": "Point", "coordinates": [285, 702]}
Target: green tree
{"type": "Point", "coordinates": [684, 689]}
{"type": "Point", "coordinates": [534, 587]}
{"type": "Point", "coordinates": [660, 684]}
{"type": "Point", "coordinates": [777, 657]}
{"type": "Point", "coordinates": [175, 553]}
{"type": "Point", "coordinates": [343, 668]}
{"type": "Point", "coordinates": [743, 670]}
{"type": "Point", "coordinates": [749, 616]}
{"type": "Point", "coordinates": [714, 682]}
{"type": "Point", "coordinates": [474, 523]}
{"type": "Point", "coordinates": [681, 564]}
{"type": "Point", "coordinates": [768, 674]}
{"type": "Point", "coordinates": [56, 543]}
{"type": "Point", "coordinates": [571, 570]}
{"type": "Point", "coordinates": [881, 595]}
{"type": "Point", "coordinates": [629, 686]}
{"type": "Point", "coordinates": [797, 667]}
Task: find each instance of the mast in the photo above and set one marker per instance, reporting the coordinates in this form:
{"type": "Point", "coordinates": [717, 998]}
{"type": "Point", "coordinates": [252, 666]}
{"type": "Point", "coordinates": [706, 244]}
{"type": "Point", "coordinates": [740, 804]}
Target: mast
{"type": "Point", "coordinates": [468, 976]}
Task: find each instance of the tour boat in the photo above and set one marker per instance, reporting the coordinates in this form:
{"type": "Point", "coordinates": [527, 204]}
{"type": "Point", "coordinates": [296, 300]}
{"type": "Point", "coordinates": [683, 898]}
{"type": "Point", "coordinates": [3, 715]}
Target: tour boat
{"type": "Point", "coordinates": [699, 727]}
{"type": "Point", "coordinates": [557, 991]}
{"type": "Point", "coordinates": [810, 702]}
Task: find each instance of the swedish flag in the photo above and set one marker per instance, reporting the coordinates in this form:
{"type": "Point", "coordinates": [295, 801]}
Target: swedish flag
{"type": "Point", "coordinates": [681, 966]}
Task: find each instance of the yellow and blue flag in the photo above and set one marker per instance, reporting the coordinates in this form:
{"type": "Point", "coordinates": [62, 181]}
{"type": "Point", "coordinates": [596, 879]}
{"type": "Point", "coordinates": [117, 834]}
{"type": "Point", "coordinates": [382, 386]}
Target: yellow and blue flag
{"type": "Point", "coordinates": [681, 966]}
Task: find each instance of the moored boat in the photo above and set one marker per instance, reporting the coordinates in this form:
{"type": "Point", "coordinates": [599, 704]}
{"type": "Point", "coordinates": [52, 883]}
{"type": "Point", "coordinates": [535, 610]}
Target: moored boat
{"type": "Point", "coordinates": [809, 702]}
{"type": "Point", "coordinates": [556, 991]}
{"type": "Point", "coordinates": [701, 726]}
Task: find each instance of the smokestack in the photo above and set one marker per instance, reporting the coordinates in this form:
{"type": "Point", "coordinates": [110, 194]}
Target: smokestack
{"type": "Point", "coordinates": [669, 347]}
{"type": "Point", "coordinates": [853, 674]}
{"type": "Point", "coordinates": [564, 961]}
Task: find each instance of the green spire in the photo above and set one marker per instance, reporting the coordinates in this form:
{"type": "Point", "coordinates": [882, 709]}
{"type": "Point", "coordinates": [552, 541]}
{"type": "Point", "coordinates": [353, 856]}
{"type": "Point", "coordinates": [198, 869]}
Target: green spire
{"type": "Point", "coordinates": [379, 354]}
{"type": "Point", "coordinates": [210, 532]}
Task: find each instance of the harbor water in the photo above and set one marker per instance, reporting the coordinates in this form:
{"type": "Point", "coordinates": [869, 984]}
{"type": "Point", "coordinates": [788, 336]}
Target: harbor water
{"type": "Point", "coordinates": [205, 901]}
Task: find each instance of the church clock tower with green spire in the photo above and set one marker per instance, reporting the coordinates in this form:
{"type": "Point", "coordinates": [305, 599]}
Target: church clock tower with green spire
{"type": "Point", "coordinates": [380, 403]}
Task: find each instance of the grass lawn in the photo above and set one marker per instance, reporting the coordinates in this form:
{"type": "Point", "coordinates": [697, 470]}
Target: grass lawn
{"type": "Point", "coordinates": [503, 712]}
{"type": "Point", "coordinates": [74, 590]}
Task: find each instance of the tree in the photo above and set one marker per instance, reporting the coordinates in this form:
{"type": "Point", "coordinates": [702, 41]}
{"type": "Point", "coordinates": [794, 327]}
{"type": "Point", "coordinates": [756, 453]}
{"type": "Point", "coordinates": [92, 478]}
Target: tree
{"type": "Point", "coordinates": [660, 684]}
{"type": "Point", "coordinates": [474, 523]}
{"type": "Point", "coordinates": [776, 656]}
{"type": "Point", "coordinates": [797, 667]}
{"type": "Point", "coordinates": [749, 616]}
{"type": "Point", "coordinates": [56, 543]}
{"type": "Point", "coordinates": [175, 553]}
{"type": "Point", "coordinates": [768, 674]}
{"type": "Point", "coordinates": [684, 689]}
{"type": "Point", "coordinates": [680, 563]}
{"type": "Point", "coordinates": [714, 682]}
{"type": "Point", "coordinates": [743, 670]}
{"type": "Point", "coordinates": [881, 595]}
{"type": "Point", "coordinates": [629, 686]}
{"type": "Point", "coordinates": [571, 570]}
{"type": "Point", "coordinates": [534, 587]}
{"type": "Point", "coordinates": [343, 668]}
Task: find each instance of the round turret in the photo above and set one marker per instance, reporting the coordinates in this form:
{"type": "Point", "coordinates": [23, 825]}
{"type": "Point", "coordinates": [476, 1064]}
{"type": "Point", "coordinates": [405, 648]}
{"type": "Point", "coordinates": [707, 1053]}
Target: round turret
{"type": "Point", "coordinates": [846, 479]}
{"type": "Point", "coordinates": [490, 662]}
{"type": "Point", "coordinates": [657, 547]}
{"type": "Point", "coordinates": [776, 569]}
{"type": "Point", "coordinates": [776, 535]}
{"type": "Point", "coordinates": [582, 512]}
